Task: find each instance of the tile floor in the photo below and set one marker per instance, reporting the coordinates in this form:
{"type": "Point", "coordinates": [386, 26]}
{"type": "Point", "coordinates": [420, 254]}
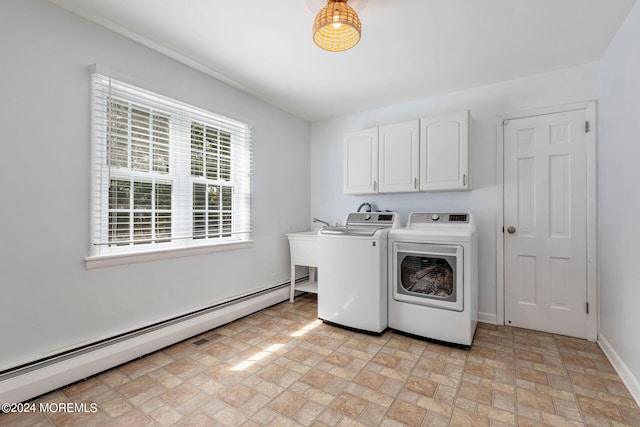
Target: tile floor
{"type": "Point", "coordinates": [282, 367]}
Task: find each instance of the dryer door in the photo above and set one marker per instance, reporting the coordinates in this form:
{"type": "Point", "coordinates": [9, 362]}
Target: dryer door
{"type": "Point", "coordinates": [428, 274]}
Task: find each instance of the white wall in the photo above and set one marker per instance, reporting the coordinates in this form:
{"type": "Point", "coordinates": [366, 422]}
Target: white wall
{"type": "Point", "coordinates": [485, 103]}
{"type": "Point", "coordinates": [619, 204]}
{"type": "Point", "coordinates": [48, 300]}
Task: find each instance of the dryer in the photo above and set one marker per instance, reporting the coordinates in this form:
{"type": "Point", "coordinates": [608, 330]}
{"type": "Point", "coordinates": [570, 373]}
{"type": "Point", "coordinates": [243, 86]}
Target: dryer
{"type": "Point", "coordinates": [433, 270]}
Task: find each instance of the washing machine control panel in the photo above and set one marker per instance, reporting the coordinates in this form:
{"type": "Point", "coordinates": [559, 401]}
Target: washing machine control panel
{"type": "Point", "coordinates": [388, 219]}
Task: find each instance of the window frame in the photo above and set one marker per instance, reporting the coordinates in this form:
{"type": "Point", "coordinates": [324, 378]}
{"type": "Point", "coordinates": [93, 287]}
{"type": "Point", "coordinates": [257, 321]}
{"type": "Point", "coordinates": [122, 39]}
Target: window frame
{"type": "Point", "coordinates": [183, 240]}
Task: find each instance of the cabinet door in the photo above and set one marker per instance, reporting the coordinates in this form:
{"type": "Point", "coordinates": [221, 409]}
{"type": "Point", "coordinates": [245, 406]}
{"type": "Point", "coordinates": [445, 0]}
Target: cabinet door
{"type": "Point", "coordinates": [399, 161]}
{"type": "Point", "coordinates": [444, 152]}
{"type": "Point", "coordinates": [361, 162]}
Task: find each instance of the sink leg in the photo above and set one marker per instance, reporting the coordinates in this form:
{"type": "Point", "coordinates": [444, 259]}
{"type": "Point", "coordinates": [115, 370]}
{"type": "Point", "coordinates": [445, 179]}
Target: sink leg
{"type": "Point", "coordinates": [292, 289]}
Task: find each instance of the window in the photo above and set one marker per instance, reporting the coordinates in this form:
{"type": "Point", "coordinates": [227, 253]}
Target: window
{"type": "Point", "coordinates": [166, 174]}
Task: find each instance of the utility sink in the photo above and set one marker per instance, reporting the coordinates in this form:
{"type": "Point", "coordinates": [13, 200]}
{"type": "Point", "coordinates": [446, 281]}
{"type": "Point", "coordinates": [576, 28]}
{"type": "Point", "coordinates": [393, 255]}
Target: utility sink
{"type": "Point", "coordinates": [304, 252]}
{"type": "Point", "coordinates": [304, 248]}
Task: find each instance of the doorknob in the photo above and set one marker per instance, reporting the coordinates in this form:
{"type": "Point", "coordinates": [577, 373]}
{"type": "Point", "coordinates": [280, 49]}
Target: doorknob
{"type": "Point", "coordinates": [511, 229]}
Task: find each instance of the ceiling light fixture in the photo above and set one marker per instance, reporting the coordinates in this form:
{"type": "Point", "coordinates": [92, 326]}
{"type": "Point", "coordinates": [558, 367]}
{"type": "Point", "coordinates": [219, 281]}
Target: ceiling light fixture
{"type": "Point", "coordinates": [337, 26]}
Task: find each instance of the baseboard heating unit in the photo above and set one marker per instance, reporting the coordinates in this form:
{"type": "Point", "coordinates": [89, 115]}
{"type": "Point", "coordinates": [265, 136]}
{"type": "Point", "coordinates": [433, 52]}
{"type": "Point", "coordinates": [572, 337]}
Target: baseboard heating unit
{"type": "Point", "coordinates": [34, 379]}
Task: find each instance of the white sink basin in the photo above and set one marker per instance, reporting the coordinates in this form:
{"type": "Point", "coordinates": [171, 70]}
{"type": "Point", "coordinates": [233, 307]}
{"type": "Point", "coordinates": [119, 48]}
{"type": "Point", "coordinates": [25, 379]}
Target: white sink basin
{"type": "Point", "coordinates": [304, 250]}
{"type": "Point", "coordinates": [303, 234]}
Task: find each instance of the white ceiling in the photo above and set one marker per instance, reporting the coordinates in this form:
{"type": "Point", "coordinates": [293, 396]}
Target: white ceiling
{"type": "Point", "coordinates": [410, 49]}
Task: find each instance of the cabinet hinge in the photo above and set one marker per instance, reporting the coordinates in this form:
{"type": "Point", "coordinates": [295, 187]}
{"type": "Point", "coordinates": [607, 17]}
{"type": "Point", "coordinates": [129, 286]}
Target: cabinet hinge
{"type": "Point", "coordinates": [503, 229]}
{"type": "Point", "coordinates": [587, 308]}
{"type": "Point", "coordinates": [587, 127]}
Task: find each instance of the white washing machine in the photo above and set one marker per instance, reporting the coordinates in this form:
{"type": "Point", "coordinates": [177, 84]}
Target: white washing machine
{"type": "Point", "coordinates": [352, 272]}
{"type": "Point", "coordinates": [433, 277]}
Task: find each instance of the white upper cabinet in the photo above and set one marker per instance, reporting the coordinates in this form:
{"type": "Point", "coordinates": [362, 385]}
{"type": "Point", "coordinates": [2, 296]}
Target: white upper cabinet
{"type": "Point", "coordinates": [399, 161]}
{"type": "Point", "coordinates": [361, 162]}
{"type": "Point", "coordinates": [430, 154]}
{"type": "Point", "coordinates": [444, 152]}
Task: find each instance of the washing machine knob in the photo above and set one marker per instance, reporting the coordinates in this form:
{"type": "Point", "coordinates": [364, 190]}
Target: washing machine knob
{"type": "Point", "coordinates": [435, 217]}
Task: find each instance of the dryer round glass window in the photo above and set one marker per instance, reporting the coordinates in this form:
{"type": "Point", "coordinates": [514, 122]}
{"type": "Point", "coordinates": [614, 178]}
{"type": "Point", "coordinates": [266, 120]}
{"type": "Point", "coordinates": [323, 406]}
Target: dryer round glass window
{"type": "Point", "coordinates": [429, 274]}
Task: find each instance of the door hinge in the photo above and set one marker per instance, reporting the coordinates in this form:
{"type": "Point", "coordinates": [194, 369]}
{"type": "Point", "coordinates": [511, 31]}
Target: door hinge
{"type": "Point", "coordinates": [587, 308]}
{"type": "Point", "coordinates": [587, 127]}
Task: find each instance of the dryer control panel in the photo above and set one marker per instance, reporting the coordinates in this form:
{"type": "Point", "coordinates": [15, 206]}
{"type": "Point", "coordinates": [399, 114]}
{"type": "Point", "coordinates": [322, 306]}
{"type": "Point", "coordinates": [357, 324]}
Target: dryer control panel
{"type": "Point", "coordinates": [438, 217]}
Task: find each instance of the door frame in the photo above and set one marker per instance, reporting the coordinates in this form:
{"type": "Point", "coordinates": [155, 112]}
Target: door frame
{"type": "Point", "coordinates": [592, 278]}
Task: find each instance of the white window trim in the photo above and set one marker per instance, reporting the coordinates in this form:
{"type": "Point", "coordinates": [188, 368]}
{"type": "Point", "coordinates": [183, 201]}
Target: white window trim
{"type": "Point", "coordinates": [179, 247]}
{"type": "Point", "coordinates": [102, 261]}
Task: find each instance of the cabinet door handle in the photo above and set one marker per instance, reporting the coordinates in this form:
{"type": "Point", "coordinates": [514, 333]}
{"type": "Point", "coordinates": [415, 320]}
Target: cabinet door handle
{"type": "Point", "coordinates": [375, 185]}
{"type": "Point", "coordinates": [464, 180]}
{"type": "Point", "coordinates": [415, 183]}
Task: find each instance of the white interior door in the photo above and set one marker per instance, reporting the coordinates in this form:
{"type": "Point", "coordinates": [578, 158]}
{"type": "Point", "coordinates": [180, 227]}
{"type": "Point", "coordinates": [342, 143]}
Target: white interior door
{"type": "Point", "coordinates": [545, 223]}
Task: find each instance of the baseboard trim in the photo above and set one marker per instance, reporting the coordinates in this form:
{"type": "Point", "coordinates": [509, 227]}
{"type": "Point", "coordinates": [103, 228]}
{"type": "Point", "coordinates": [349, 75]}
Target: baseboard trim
{"type": "Point", "coordinates": [629, 380]}
{"type": "Point", "coordinates": [487, 318]}
{"type": "Point", "coordinates": [51, 376]}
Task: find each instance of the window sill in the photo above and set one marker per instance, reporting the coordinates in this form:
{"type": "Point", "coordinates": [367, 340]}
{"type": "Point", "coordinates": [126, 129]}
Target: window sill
{"type": "Point", "coordinates": [101, 261]}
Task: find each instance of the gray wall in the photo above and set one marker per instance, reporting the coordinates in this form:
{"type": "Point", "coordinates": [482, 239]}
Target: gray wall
{"type": "Point", "coordinates": [618, 190]}
{"type": "Point", "coordinates": [485, 103]}
{"type": "Point", "coordinates": [48, 300]}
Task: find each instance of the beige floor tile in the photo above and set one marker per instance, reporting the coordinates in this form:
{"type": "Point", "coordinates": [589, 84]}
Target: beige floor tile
{"type": "Point", "coordinates": [385, 360]}
{"type": "Point", "coordinates": [165, 416]}
{"type": "Point", "coordinates": [116, 407]}
{"type": "Point", "coordinates": [406, 413]}
{"type": "Point", "coordinates": [372, 414]}
{"type": "Point", "coordinates": [349, 405]}
{"type": "Point", "coordinates": [288, 403]}
{"type": "Point", "coordinates": [532, 375]}
{"type": "Point", "coordinates": [480, 371]}
{"type": "Point", "coordinates": [132, 418]}
{"type": "Point", "coordinates": [598, 408]}
{"type": "Point", "coordinates": [466, 404]}
{"type": "Point", "coordinates": [421, 386]}
{"type": "Point", "coordinates": [464, 418]}
{"type": "Point", "coordinates": [230, 416]}
{"type": "Point", "coordinates": [496, 414]}
{"type": "Point", "coordinates": [308, 413]}
{"type": "Point", "coordinates": [476, 393]}
{"type": "Point", "coordinates": [631, 415]}
{"type": "Point", "coordinates": [81, 387]}
{"type": "Point", "coordinates": [35, 419]}
{"type": "Point", "coordinates": [283, 367]}
{"type": "Point", "coordinates": [536, 400]}
{"type": "Point", "coordinates": [236, 395]}
{"type": "Point", "coordinates": [591, 382]}
{"type": "Point", "coordinates": [567, 409]}
{"type": "Point", "coordinates": [316, 378]}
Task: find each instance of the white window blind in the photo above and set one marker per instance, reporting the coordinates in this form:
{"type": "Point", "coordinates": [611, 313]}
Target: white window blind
{"type": "Point", "coordinates": [165, 174]}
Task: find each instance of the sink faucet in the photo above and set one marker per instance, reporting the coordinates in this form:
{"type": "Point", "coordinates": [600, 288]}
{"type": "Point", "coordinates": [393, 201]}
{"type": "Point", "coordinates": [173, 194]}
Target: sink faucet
{"type": "Point", "coordinates": [367, 204]}
{"type": "Point", "coordinates": [324, 222]}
